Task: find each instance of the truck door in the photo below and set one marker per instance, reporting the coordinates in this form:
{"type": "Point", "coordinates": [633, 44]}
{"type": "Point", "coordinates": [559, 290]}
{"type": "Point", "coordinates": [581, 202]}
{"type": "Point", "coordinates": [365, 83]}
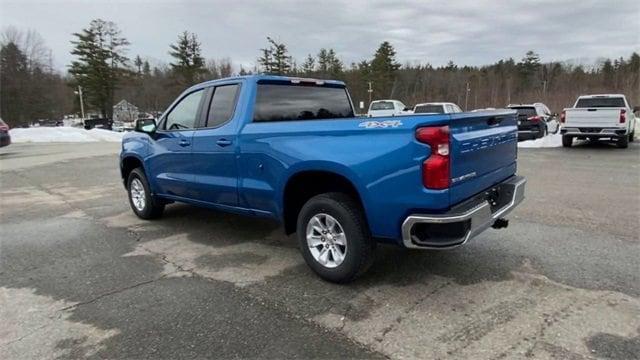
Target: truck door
{"type": "Point", "coordinates": [214, 148]}
{"type": "Point", "coordinates": [171, 163]}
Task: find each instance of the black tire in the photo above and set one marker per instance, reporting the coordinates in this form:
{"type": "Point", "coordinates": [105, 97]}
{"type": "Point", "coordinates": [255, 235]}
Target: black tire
{"type": "Point", "coordinates": [632, 136]}
{"type": "Point", "coordinates": [623, 142]}
{"type": "Point", "coordinates": [567, 141]}
{"type": "Point", "coordinates": [153, 207]}
{"type": "Point", "coordinates": [360, 247]}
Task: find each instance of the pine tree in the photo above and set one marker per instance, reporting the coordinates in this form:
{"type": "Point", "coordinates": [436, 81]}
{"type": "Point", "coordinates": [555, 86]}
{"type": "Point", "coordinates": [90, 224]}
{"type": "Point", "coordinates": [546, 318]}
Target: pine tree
{"type": "Point", "coordinates": [328, 63]}
{"type": "Point", "coordinates": [323, 61]}
{"type": "Point", "coordinates": [100, 63]}
{"type": "Point", "coordinates": [13, 63]}
{"type": "Point", "coordinates": [146, 68]}
{"type": "Point", "coordinates": [188, 65]}
{"type": "Point", "coordinates": [309, 65]}
{"type": "Point", "coordinates": [528, 69]}
{"type": "Point", "coordinates": [138, 64]}
{"type": "Point", "coordinates": [383, 69]}
{"type": "Point", "coordinates": [275, 58]}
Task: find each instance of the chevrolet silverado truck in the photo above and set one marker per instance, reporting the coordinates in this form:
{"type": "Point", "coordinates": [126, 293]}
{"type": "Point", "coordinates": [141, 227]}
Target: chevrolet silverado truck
{"type": "Point", "coordinates": [291, 149]}
{"type": "Point", "coordinates": [596, 117]}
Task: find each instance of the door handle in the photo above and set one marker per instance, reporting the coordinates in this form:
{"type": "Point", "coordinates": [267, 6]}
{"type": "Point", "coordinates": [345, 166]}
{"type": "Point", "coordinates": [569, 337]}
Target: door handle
{"type": "Point", "coordinates": [223, 142]}
{"type": "Point", "coordinates": [184, 143]}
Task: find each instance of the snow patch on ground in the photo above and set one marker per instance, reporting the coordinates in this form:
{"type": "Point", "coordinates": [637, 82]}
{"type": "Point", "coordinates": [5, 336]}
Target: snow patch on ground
{"type": "Point", "coordinates": [63, 134]}
{"type": "Point", "coordinates": [549, 141]}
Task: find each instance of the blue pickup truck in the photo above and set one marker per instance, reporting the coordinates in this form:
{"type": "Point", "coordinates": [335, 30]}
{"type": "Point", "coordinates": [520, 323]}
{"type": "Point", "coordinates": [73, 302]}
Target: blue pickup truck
{"type": "Point", "coordinates": [292, 149]}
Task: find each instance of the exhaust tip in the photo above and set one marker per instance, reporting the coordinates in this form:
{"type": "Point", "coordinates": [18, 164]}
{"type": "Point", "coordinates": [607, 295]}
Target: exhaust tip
{"type": "Point", "coordinates": [500, 223]}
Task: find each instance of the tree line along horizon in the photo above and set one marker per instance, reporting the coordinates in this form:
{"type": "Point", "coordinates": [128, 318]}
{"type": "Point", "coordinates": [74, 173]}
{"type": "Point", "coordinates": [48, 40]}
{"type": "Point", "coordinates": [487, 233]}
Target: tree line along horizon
{"type": "Point", "coordinates": [31, 89]}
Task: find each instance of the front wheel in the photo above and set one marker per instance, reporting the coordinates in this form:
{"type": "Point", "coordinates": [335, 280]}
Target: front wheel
{"type": "Point", "coordinates": [632, 136]}
{"type": "Point", "coordinates": [567, 141]}
{"type": "Point", "coordinates": [334, 237]}
{"type": "Point", "coordinates": [143, 204]}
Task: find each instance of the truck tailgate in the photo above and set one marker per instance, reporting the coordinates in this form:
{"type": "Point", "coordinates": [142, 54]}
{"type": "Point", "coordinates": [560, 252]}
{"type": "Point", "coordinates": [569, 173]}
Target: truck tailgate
{"type": "Point", "coordinates": [483, 151]}
{"type": "Point", "coordinates": [592, 117]}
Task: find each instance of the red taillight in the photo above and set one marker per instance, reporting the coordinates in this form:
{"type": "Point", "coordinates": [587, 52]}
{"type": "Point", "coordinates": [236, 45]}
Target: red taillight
{"type": "Point", "coordinates": [623, 116]}
{"type": "Point", "coordinates": [534, 118]}
{"type": "Point", "coordinates": [563, 116]}
{"type": "Point", "coordinates": [435, 169]}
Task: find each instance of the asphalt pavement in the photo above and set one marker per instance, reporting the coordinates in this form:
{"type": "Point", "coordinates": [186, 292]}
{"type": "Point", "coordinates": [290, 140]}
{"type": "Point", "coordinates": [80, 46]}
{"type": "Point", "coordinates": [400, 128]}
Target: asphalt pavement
{"type": "Point", "coordinates": [82, 277]}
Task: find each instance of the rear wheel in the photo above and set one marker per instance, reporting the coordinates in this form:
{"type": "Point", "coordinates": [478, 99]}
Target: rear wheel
{"type": "Point", "coordinates": [623, 141]}
{"type": "Point", "coordinates": [143, 204]}
{"type": "Point", "coordinates": [567, 141]}
{"type": "Point", "coordinates": [334, 237]}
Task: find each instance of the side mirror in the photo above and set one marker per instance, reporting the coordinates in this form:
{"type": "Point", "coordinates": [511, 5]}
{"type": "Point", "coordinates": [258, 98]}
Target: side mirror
{"type": "Point", "coordinates": [406, 109]}
{"type": "Point", "coordinates": [146, 126]}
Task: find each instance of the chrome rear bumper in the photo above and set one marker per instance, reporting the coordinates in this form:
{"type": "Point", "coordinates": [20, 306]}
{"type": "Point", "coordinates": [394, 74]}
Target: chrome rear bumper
{"type": "Point", "coordinates": [466, 220]}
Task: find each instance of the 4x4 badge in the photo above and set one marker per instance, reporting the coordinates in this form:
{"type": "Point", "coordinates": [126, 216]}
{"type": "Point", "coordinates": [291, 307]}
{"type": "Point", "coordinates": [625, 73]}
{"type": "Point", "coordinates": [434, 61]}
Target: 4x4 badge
{"type": "Point", "coordinates": [380, 124]}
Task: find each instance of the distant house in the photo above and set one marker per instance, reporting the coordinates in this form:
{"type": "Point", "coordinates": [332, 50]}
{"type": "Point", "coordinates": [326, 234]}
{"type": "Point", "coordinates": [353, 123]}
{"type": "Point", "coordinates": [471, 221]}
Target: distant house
{"type": "Point", "coordinates": [125, 111]}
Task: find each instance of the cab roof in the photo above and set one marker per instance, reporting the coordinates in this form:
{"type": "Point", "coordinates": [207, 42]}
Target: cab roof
{"type": "Point", "coordinates": [269, 78]}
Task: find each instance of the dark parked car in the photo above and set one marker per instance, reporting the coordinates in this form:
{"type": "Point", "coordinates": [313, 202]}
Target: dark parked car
{"type": "Point", "coordinates": [100, 123]}
{"type": "Point", "coordinates": [535, 121]}
{"type": "Point", "coordinates": [5, 138]}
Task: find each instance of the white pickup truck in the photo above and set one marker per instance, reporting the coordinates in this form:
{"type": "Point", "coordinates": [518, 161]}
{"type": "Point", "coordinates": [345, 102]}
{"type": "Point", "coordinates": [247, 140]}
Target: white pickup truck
{"type": "Point", "coordinates": [595, 117]}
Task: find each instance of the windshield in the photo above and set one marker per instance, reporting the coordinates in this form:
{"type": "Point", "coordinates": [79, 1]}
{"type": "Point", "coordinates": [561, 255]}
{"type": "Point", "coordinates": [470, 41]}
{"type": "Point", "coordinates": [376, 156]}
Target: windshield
{"type": "Point", "coordinates": [430, 109]}
{"type": "Point", "coordinates": [382, 105]}
{"type": "Point", "coordinates": [601, 102]}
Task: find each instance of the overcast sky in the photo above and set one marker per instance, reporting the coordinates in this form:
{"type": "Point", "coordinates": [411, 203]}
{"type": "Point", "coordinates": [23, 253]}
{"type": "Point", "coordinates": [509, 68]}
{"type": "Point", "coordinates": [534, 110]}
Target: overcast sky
{"type": "Point", "coordinates": [467, 32]}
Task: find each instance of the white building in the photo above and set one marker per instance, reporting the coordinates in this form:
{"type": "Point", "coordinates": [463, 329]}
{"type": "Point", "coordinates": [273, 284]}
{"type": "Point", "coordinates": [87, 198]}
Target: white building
{"type": "Point", "coordinates": [125, 111]}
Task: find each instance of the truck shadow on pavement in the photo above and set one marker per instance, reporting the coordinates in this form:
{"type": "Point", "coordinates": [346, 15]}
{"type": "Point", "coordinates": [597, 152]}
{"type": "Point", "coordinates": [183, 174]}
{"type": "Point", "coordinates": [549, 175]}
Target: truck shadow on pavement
{"type": "Point", "coordinates": [393, 265]}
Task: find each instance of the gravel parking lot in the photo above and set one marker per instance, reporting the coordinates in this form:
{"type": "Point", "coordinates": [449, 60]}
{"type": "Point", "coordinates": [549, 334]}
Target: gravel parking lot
{"type": "Point", "coordinates": [81, 276]}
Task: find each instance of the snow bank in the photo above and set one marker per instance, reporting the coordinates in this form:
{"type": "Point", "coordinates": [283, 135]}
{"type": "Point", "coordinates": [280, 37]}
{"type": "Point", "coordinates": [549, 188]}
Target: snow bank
{"type": "Point", "coordinates": [63, 134]}
{"type": "Point", "coordinates": [549, 141]}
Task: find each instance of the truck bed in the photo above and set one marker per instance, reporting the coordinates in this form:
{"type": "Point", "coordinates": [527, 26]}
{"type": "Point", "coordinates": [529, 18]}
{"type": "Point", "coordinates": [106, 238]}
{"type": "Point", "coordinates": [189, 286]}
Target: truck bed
{"type": "Point", "coordinates": [382, 157]}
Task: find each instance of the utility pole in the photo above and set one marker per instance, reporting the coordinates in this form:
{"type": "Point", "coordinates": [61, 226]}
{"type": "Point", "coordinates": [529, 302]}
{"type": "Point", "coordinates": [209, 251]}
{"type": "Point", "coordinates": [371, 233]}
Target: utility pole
{"type": "Point", "coordinates": [466, 97]}
{"type": "Point", "coordinates": [79, 93]}
{"type": "Point", "coordinates": [544, 90]}
{"type": "Point", "coordinates": [370, 91]}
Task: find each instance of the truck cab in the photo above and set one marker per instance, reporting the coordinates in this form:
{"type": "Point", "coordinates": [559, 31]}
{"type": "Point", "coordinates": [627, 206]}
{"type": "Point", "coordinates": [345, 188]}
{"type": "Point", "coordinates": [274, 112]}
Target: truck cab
{"type": "Point", "coordinates": [436, 108]}
{"type": "Point", "coordinates": [379, 108]}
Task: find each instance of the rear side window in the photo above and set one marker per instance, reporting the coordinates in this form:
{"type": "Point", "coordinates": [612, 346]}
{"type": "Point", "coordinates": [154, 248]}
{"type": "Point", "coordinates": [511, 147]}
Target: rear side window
{"type": "Point", "coordinates": [284, 102]}
{"type": "Point", "coordinates": [222, 105]}
{"type": "Point", "coordinates": [429, 109]}
{"type": "Point", "coordinates": [600, 102]}
{"type": "Point", "coordinates": [382, 105]}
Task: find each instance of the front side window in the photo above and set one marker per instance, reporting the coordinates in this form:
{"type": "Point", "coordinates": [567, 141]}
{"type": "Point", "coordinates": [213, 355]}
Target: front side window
{"type": "Point", "coordinates": [222, 105]}
{"type": "Point", "coordinates": [183, 116]}
{"type": "Point", "coordinates": [284, 102]}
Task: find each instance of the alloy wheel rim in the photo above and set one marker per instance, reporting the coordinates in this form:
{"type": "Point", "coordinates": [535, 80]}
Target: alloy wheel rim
{"type": "Point", "coordinates": [137, 194]}
{"type": "Point", "coordinates": [326, 240]}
